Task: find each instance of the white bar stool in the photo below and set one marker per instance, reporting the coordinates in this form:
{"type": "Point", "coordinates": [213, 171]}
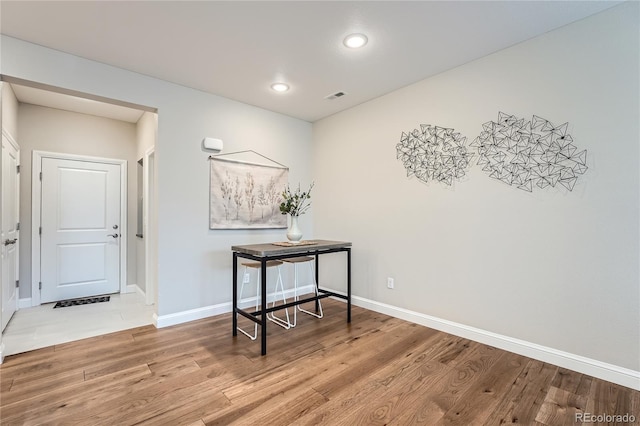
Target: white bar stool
{"type": "Point", "coordinates": [284, 323]}
{"type": "Point", "coordinates": [295, 261]}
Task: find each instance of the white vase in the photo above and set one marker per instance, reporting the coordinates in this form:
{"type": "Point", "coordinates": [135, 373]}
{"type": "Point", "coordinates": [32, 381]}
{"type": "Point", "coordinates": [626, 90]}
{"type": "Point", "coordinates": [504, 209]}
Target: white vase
{"type": "Point", "coordinates": [294, 234]}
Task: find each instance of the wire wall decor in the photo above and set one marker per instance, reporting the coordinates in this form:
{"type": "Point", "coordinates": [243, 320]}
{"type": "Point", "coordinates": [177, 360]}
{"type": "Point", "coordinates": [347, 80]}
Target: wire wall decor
{"type": "Point", "coordinates": [434, 153]}
{"type": "Point", "coordinates": [529, 154]}
{"type": "Point", "coordinates": [533, 154]}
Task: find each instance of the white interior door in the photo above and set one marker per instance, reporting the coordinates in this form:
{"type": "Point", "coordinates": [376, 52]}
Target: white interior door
{"type": "Point", "coordinates": [80, 219]}
{"type": "Point", "coordinates": [9, 237]}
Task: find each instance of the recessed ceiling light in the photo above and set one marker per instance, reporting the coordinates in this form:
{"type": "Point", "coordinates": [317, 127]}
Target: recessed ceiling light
{"type": "Point", "coordinates": [280, 87]}
{"type": "Point", "coordinates": [355, 40]}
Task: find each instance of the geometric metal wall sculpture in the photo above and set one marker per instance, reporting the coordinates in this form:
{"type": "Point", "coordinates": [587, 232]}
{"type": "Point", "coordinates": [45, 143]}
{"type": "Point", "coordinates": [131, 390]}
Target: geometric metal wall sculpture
{"type": "Point", "coordinates": [529, 154]}
{"type": "Point", "coordinates": [434, 153]}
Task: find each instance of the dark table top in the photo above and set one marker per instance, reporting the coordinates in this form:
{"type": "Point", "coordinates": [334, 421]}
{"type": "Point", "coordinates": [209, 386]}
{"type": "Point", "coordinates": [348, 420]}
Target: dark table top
{"type": "Point", "coordinates": [270, 249]}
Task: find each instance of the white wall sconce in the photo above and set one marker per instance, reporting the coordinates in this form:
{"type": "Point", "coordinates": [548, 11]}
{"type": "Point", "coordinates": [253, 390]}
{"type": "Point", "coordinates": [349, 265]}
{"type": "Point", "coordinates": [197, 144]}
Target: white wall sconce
{"type": "Point", "coordinates": [212, 144]}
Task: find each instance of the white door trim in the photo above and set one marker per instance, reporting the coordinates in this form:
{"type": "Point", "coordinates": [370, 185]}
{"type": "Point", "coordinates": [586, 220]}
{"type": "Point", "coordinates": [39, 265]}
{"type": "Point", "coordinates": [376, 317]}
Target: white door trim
{"type": "Point", "coordinates": [36, 200]}
{"type": "Point", "coordinates": [149, 231]}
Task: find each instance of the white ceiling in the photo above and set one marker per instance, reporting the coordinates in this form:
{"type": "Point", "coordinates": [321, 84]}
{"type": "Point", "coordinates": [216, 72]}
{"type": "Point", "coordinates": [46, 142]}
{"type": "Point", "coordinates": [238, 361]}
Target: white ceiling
{"type": "Point", "coordinates": [236, 49]}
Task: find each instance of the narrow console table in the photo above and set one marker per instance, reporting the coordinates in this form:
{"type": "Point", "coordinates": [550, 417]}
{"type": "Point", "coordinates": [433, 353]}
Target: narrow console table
{"type": "Point", "coordinates": [275, 251]}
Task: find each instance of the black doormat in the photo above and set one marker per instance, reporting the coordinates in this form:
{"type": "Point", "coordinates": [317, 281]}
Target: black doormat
{"type": "Point", "coordinates": [85, 301]}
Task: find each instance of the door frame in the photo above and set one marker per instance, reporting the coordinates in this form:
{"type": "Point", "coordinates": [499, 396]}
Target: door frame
{"type": "Point", "coordinates": [149, 228]}
{"type": "Point", "coordinates": [36, 202]}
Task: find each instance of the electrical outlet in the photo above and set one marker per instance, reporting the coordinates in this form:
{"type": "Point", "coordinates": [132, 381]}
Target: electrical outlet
{"type": "Point", "coordinates": [246, 278]}
{"type": "Point", "coordinates": [390, 282]}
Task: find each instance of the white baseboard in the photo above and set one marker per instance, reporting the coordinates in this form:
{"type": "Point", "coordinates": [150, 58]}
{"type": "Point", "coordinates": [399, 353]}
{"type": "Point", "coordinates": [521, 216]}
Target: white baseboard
{"type": "Point", "coordinates": [24, 303]}
{"type": "Point", "coordinates": [133, 288]}
{"type": "Point", "coordinates": [1, 352]}
{"type": "Point", "coordinates": [141, 292]}
{"type": "Point", "coordinates": [161, 321]}
{"type": "Point", "coordinates": [612, 373]}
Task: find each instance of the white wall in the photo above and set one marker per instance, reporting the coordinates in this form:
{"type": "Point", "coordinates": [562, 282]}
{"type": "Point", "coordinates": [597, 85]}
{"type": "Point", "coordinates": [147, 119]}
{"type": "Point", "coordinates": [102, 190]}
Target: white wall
{"type": "Point", "coordinates": [194, 263]}
{"type": "Point", "coordinates": [9, 111]}
{"type": "Point", "coordinates": [54, 130]}
{"type": "Point", "coordinates": [146, 133]}
{"type": "Point", "coordinates": [552, 268]}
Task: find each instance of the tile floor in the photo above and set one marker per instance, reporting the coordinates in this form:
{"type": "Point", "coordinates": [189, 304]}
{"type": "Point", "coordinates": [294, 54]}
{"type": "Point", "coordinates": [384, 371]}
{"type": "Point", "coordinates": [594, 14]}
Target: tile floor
{"type": "Point", "coordinates": [41, 326]}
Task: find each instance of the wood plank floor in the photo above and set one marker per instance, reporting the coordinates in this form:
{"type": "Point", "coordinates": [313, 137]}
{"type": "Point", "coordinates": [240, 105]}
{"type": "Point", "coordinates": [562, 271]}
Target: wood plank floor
{"type": "Point", "coordinates": [376, 371]}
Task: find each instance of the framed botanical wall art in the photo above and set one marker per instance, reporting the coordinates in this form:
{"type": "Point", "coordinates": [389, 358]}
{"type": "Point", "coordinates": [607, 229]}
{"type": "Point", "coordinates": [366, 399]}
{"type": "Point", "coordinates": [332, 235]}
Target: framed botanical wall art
{"type": "Point", "coordinates": [246, 195]}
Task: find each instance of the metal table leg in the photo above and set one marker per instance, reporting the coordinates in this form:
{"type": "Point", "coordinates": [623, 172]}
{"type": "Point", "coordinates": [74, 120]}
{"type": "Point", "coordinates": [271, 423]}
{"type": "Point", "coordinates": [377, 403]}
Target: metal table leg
{"type": "Point", "coordinates": [348, 285]}
{"type": "Point", "coordinates": [235, 294]}
{"type": "Point", "coordinates": [263, 307]}
{"type": "Point", "coordinates": [317, 282]}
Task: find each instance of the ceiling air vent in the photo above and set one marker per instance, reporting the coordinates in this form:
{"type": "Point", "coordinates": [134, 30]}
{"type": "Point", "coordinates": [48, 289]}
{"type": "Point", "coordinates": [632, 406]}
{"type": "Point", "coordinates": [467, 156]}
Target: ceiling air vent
{"type": "Point", "coordinates": [335, 95]}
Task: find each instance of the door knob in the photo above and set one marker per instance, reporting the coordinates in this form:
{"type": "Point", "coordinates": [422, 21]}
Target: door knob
{"type": "Point", "coordinates": [115, 226]}
{"type": "Point", "coordinates": [113, 235]}
{"type": "Point", "coordinates": [9, 242]}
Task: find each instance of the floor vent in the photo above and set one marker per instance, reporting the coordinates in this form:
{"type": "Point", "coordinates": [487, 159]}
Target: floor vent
{"type": "Point", "coordinates": [85, 301]}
